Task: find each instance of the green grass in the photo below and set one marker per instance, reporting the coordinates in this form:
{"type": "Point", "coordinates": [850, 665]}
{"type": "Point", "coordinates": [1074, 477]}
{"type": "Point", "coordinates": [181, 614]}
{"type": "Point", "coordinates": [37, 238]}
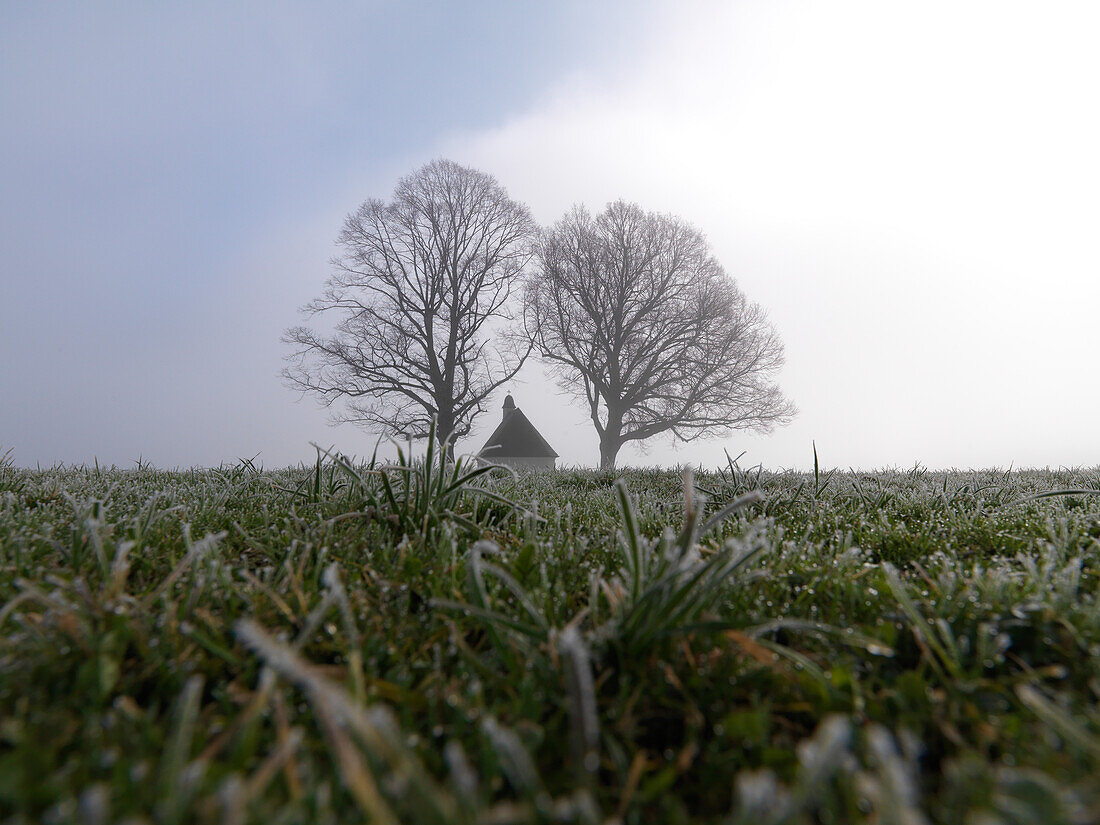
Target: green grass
{"type": "Point", "coordinates": [428, 643]}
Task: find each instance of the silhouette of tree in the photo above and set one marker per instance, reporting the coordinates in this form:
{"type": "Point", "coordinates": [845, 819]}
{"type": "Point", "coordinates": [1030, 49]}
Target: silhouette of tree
{"type": "Point", "coordinates": [416, 287]}
{"type": "Point", "coordinates": [638, 319]}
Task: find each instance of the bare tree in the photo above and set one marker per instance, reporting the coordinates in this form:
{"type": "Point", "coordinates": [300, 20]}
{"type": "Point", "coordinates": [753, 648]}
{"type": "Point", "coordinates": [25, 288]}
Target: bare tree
{"type": "Point", "coordinates": [638, 319]}
{"type": "Point", "coordinates": [415, 289]}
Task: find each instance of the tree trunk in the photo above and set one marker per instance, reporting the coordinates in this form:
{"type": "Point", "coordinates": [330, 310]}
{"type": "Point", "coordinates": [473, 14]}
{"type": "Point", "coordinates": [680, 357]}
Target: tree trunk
{"type": "Point", "coordinates": [609, 449]}
{"type": "Point", "coordinates": [444, 426]}
{"type": "Point", "coordinates": [610, 442]}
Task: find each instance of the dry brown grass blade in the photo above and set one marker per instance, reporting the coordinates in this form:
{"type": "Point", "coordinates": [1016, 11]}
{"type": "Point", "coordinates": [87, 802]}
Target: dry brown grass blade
{"type": "Point", "coordinates": [340, 714]}
{"type": "Point", "coordinates": [354, 771]}
{"type": "Point", "coordinates": [633, 777]}
{"type": "Point", "coordinates": [259, 701]}
{"type": "Point", "coordinates": [282, 754]}
{"type": "Point", "coordinates": [290, 766]}
{"type": "Point", "coordinates": [333, 711]}
{"type": "Point", "coordinates": [753, 649]}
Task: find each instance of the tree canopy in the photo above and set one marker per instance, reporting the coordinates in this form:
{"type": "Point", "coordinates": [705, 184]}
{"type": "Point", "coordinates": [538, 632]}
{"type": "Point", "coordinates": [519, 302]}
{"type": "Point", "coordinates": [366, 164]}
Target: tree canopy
{"type": "Point", "coordinates": [415, 288]}
{"type": "Point", "coordinates": [638, 320]}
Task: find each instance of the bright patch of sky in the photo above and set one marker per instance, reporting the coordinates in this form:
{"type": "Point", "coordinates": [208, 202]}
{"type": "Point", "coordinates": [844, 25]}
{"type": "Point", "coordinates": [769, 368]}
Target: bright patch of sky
{"type": "Point", "coordinates": [910, 189]}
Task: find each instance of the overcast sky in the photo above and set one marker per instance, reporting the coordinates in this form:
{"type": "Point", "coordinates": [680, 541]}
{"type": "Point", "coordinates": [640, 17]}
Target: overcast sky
{"type": "Point", "coordinates": [911, 189]}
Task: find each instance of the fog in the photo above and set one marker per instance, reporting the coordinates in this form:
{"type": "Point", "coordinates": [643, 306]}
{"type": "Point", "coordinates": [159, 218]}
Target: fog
{"type": "Point", "coordinates": [910, 191]}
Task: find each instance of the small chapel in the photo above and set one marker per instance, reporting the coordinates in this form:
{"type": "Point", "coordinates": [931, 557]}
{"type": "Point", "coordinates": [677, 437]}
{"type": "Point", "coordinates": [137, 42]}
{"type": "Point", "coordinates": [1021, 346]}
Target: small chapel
{"type": "Point", "coordinates": [516, 443]}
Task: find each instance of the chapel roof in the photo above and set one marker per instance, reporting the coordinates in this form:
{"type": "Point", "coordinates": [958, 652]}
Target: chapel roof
{"type": "Point", "coordinates": [516, 437]}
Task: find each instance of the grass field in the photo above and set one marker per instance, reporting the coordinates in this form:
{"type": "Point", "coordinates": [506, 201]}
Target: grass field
{"type": "Point", "coordinates": [346, 642]}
